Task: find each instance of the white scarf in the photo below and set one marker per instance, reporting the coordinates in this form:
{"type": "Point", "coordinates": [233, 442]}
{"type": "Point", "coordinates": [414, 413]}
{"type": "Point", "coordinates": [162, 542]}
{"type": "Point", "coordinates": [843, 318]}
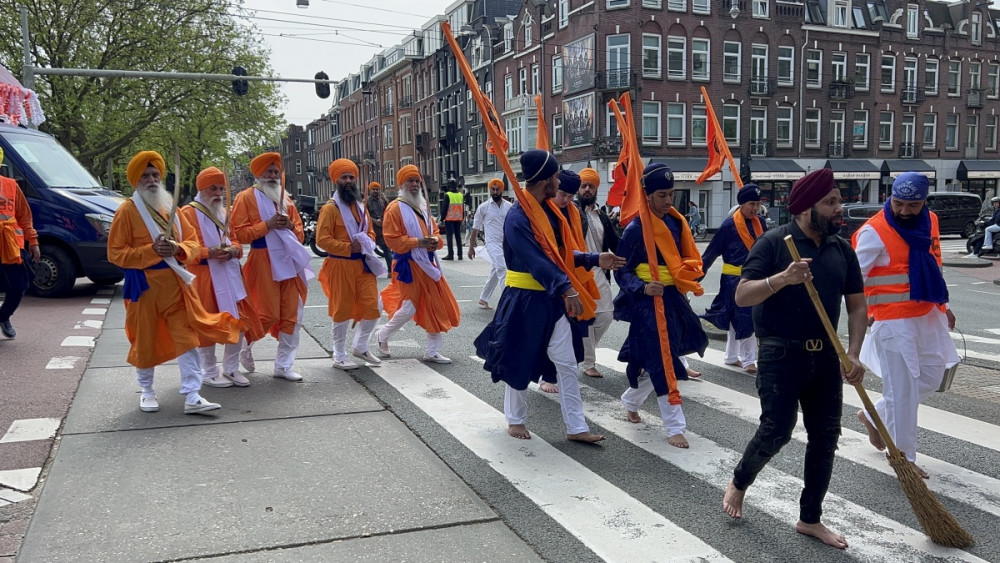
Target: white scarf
{"type": "Point", "coordinates": [155, 231]}
{"type": "Point", "coordinates": [227, 281]}
{"type": "Point", "coordinates": [420, 255]}
{"type": "Point", "coordinates": [359, 232]}
{"type": "Point", "coordinates": [288, 257]}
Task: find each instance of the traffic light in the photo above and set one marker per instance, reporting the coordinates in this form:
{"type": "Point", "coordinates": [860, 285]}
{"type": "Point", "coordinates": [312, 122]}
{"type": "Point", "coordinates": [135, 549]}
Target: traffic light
{"type": "Point", "coordinates": [322, 88]}
{"type": "Point", "coordinates": [240, 86]}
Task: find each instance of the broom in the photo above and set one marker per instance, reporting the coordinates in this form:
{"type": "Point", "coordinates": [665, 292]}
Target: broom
{"type": "Point", "coordinates": [934, 518]}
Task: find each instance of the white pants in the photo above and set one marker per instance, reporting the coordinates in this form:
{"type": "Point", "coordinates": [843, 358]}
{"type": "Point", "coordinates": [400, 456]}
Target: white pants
{"type": "Point", "coordinates": [560, 352]}
{"type": "Point", "coordinates": [672, 415]}
{"type": "Point", "coordinates": [362, 335]}
{"type": "Point", "coordinates": [743, 352]}
{"type": "Point", "coordinates": [402, 316]}
{"type": "Point", "coordinates": [288, 344]}
{"type": "Point", "coordinates": [601, 325]}
{"type": "Point", "coordinates": [190, 365]}
{"type": "Point", "coordinates": [498, 272]}
{"type": "Point", "coordinates": [230, 358]}
{"type": "Point", "coordinates": [988, 237]}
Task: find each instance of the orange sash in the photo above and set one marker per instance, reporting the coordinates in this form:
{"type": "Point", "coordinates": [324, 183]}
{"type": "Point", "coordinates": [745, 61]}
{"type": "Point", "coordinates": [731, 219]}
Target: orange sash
{"type": "Point", "coordinates": [741, 228]}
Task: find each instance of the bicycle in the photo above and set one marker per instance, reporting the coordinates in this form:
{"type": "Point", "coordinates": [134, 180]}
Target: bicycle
{"type": "Point", "coordinates": [700, 231]}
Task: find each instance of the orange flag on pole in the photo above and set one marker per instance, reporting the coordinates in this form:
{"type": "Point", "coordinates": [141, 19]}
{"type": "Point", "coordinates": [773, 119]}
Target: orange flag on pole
{"type": "Point", "coordinates": [542, 135]}
{"type": "Point", "coordinates": [718, 149]}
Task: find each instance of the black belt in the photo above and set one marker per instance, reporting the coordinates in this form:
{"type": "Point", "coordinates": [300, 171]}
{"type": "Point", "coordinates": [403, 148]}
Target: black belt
{"type": "Point", "coordinates": [810, 345]}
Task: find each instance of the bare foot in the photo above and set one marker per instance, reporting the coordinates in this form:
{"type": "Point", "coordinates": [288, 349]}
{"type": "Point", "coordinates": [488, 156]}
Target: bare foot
{"type": "Point", "coordinates": [692, 374]}
{"type": "Point", "coordinates": [822, 533]}
{"type": "Point", "coordinates": [732, 501]}
{"type": "Point", "coordinates": [484, 304]}
{"type": "Point", "coordinates": [592, 372]}
{"type": "Point", "coordinates": [518, 431]}
{"type": "Point", "coordinates": [873, 436]}
{"type": "Point", "coordinates": [678, 441]}
{"type": "Point", "coordinates": [920, 471]}
{"type": "Point", "coordinates": [633, 417]}
{"type": "Point", "coordinates": [548, 387]}
{"type": "Point", "coordinates": [586, 437]}
{"type": "Point", "coordinates": [751, 369]}
{"type": "Point", "coordinates": [737, 363]}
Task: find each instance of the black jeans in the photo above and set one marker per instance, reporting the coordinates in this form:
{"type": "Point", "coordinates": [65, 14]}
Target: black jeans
{"type": "Point", "coordinates": [454, 228]}
{"type": "Point", "coordinates": [787, 377]}
{"type": "Point", "coordinates": [14, 282]}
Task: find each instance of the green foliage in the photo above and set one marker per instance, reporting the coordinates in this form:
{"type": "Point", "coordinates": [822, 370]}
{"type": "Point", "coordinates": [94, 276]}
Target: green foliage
{"type": "Point", "coordinates": [110, 119]}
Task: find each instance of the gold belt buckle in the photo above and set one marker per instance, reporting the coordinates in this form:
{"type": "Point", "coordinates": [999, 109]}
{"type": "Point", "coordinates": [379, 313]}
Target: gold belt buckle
{"type": "Point", "coordinates": [814, 345]}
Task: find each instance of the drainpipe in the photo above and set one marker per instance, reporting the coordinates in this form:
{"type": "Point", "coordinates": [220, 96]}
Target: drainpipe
{"type": "Point", "coordinates": [802, 85]}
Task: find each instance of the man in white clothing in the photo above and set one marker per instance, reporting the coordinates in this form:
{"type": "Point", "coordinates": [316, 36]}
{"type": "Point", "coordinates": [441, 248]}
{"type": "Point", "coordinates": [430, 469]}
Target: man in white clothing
{"type": "Point", "coordinates": [489, 219]}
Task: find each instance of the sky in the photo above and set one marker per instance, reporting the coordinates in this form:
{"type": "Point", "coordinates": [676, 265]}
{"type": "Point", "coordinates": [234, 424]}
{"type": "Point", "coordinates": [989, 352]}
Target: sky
{"type": "Point", "coordinates": [319, 38]}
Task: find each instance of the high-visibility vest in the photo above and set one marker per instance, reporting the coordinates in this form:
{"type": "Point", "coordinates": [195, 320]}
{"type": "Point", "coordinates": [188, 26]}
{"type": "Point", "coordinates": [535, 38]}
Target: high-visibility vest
{"type": "Point", "coordinates": [456, 204]}
{"type": "Point", "coordinates": [11, 234]}
{"type": "Point", "coordinates": [887, 288]}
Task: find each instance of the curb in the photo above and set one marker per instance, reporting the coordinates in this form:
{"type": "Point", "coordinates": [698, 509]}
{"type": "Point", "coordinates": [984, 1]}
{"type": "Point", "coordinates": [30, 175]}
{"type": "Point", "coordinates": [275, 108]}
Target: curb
{"type": "Point", "coordinates": [967, 263]}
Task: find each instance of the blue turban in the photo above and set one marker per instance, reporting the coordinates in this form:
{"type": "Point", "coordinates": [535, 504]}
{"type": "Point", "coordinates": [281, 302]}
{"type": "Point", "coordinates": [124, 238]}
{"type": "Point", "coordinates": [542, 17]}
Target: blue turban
{"type": "Point", "coordinates": [569, 181]}
{"type": "Point", "coordinates": [538, 165]}
{"type": "Point", "coordinates": [910, 186]}
{"type": "Point", "coordinates": [656, 177]}
{"type": "Point", "coordinates": [749, 192]}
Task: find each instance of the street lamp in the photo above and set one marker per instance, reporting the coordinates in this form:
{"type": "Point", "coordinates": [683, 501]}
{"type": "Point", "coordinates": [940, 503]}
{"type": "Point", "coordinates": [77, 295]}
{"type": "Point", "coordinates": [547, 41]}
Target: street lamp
{"type": "Point", "coordinates": [734, 9]}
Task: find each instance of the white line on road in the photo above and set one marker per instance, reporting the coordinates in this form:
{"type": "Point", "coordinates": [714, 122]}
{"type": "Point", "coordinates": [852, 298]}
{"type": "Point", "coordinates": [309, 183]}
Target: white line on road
{"type": "Point", "coordinates": [100, 301]}
{"type": "Point", "coordinates": [89, 324]}
{"type": "Point", "coordinates": [95, 311]}
{"type": "Point", "coordinates": [29, 429]}
{"type": "Point", "coordinates": [83, 341]}
{"type": "Point", "coordinates": [20, 479]}
{"type": "Point", "coordinates": [62, 362]}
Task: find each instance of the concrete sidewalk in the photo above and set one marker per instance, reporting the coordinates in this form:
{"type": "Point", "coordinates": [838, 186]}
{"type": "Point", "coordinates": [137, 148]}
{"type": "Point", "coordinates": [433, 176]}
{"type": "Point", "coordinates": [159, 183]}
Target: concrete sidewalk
{"type": "Point", "coordinates": [312, 471]}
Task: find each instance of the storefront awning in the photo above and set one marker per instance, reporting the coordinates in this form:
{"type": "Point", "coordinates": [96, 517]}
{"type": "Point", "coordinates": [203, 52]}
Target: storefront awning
{"type": "Point", "coordinates": [978, 169]}
{"type": "Point", "coordinates": [853, 169]}
{"type": "Point", "coordinates": [897, 166]}
{"type": "Point", "coordinates": [686, 168]}
{"type": "Point", "coordinates": [770, 169]}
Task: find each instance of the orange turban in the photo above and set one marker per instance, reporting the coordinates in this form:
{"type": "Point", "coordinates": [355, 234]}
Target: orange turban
{"type": "Point", "coordinates": [140, 162]}
{"type": "Point", "coordinates": [339, 167]}
{"type": "Point", "coordinates": [209, 177]}
{"type": "Point", "coordinates": [495, 182]}
{"type": "Point", "coordinates": [590, 176]}
{"type": "Point", "coordinates": [374, 186]}
{"type": "Point", "coordinates": [260, 164]}
{"type": "Point", "coordinates": [405, 173]}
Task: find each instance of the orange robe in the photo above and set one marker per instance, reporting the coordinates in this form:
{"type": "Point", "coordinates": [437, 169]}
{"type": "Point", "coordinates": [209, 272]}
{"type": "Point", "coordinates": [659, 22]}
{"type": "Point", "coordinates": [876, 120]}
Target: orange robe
{"type": "Point", "coordinates": [206, 291]}
{"type": "Point", "coordinates": [168, 319]}
{"type": "Point", "coordinates": [437, 310]}
{"type": "Point", "coordinates": [276, 303]}
{"type": "Point", "coordinates": [352, 292]}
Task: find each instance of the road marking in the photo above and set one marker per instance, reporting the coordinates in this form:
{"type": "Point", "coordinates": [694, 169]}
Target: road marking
{"type": "Point", "coordinates": [84, 324]}
{"type": "Point", "coordinates": [315, 306]}
{"type": "Point", "coordinates": [28, 429]}
{"type": "Point", "coordinates": [95, 311]}
{"type": "Point", "coordinates": [20, 479]}
{"type": "Point", "coordinates": [986, 292]}
{"type": "Point", "coordinates": [11, 496]}
{"type": "Point", "coordinates": [100, 301]}
{"type": "Point", "coordinates": [62, 362]}
{"type": "Point", "coordinates": [83, 341]}
{"type": "Point", "coordinates": [613, 524]}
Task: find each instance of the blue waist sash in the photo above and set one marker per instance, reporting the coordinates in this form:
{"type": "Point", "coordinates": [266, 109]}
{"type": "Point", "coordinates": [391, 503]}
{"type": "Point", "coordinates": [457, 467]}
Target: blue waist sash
{"type": "Point", "coordinates": [404, 272]}
{"type": "Point", "coordinates": [354, 256]}
{"type": "Point", "coordinates": [259, 243]}
{"type": "Point", "coordinates": [135, 281]}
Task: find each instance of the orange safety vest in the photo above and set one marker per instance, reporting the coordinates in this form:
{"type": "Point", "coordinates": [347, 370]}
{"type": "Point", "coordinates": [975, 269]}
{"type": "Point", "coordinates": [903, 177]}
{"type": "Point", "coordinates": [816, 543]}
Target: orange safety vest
{"type": "Point", "coordinates": [455, 207]}
{"type": "Point", "coordinates": [887, 288]}
{"type": "Point", "coordinates": [11, 234]}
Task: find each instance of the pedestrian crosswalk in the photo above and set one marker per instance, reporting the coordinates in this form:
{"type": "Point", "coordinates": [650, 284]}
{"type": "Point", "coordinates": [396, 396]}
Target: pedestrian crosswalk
{"type": "Point", "coordinates": [618, 525]}
{"type": "Point", "coordinates": [953, 246]}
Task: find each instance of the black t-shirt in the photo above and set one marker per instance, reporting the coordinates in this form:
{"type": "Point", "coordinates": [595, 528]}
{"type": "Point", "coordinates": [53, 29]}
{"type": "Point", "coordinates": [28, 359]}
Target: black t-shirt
{"type": "Point", "coordinates": [790, 312]}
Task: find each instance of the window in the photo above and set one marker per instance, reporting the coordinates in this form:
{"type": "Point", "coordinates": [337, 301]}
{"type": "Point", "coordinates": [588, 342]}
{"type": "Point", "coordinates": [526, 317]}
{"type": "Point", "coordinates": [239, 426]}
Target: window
{"type": "Point", "coordinates": [813, 116]}
{"type": "Point", "coordinates": [527, 31]}
{"type": "Point", "coordinates": [652, 4]}
{"type": "Point", "coordinates": [536, 79]}
{"type": "Point", "coordinates": [619, 58]}
{"type": "Point", "coordinates": [758, 131]}
{"type": "Point", "coordinates": [563, 13]}
{"type": "Point", "coordinates": [298, 165]}
{"type": "Point", "coordinates": [731, 61]}
{"type": "Point", "coordinates": [990, 132]}
{"type": "Point", "coordinates": [651, 123]}
{"type": "Point", "coordinates": [514, 134]}
{"type": "Point", "coordinates": [387, 136]}
{"type": "Point", "coordinates": [839, 62]}
{"type": "Point", "coordinates": [699, 59]}
{"type": "Point", "coordinates": [298, 144]}
{"type": "Point", "coordinates": [557, 75]}
{"type": "Point", "coordinates": [522, 81]}
{"type": "Point", "coordinates": [930, 131]}
{"type": "Point", "coordinates": [993, 80]}
{"type": "Point", "coordinates": [508, 37]}
{"type": "Point", "coordinates": [972, 130]}
{"type": "Point", "coordinates": [557, 130]}
{"type": "Point", "coordinates": [731, 123]}
{"type": "Point", "coordinates": [760, 8]}
{"type": "Point", "coordinates": [699, 126]}
{"type": "Point", "coordinates": [912, 21]}
{"type": "Point", "coordinates": [976, 28]}
{"type": "Point", "coordinates": [405, 130]}
{"type": "Point", "coordinates": [885, 129]}
{"type": "Point", "coordinates": [931, 76]}
{"type": "Point", "coordinates": [858, 15]}
{"type": "Point", "coordinates": [888, 73]}
{"type": "Point", "coordinates": [617, 4]}
{"type": "Point", "coordinates": [675, 123]}
{"type": "Point", "coordinates": [677, 5]}
{"type": "Point", "coordinates": [530, 129]}
{"type": "Point", "coordinates": [784, 125]}
{"type": "Point", "coordinates": [951, 132]}
{"type": "Point", "coordinates": [815, 12]}
{"type": "Point", "coordinates": [470, 106]}
{"type": "Point", "coordinates": [840, 14]}
{"type": "Point", "coordinates": [975, 75]}
{"type": "Point", "coordinates": [837, 145]}
{"type": "Point", "coordinates": [786, 65]}
{"type": "Point", "coordinates": [651, 62]}
{"type": "Point", "coordinates": [860, 129]}
{"type": "Point", "coordinates": [508, 87]}
{"type": "Point", "coordinates": [954, 78]}
{"type": "Point", "coordinates": [390, 174]}
{"type": "Point", "coordinates": [700, 6]}
{"type": "Point", "coordinates": [758, 63]}
{"type": "Point", "coordinates": [676, 55]}
{"type": "Point", "coordinates": [862, 70]}
{"type": "Point", "coordinates": [470, 150]}
{"type": "Point", "coordinates": [814, 66]}
{"type": "Point", "coordinates": [907, 142]}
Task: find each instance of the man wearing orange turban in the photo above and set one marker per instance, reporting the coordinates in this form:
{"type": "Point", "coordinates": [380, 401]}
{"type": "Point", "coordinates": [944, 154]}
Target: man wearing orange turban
{"type": "Point", "coordinates": [164, 318]}
{"type": "Point", "coordinates": [418, 288]}
{"type": "Point", "coordinates": [345, 232]}
{"type": "Point", "coordinates": [277, 269]}
{"type": "Point", "coordinates": [218, 280]}
{"type": "Point", "coordinates": [488, 220]}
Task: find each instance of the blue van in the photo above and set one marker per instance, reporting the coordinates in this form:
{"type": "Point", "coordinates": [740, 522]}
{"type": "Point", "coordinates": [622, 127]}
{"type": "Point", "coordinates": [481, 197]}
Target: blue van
{"type": "Point", "coordinates": [71, 210]}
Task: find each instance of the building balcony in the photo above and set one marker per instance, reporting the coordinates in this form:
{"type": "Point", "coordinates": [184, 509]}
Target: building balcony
{"type": "Point", "coordinates": [616, 79]}
{"type": "Point", "coordinates": [422, 141]}
{"type": "Point", "coordinates": [761, 147]}
{"type": "Point", "coordinates": [975, 98]}
{"type": "Point", "coordinates": [369, 155]}
{"type": "Point", "coordinates": [841, 90]}
{"type": "Point", "coordinates": [521, 102]}
{"type": "Point", "coordinates": [607, 146]}
{"type": "Point", "coordinates": [909, 150]}
{"type": "Point", "coordinates": [387, 110]}
{"type": "Point", "coordinates": [406, 102]}
{"type": "Point", "coordinates": [446, 133]}
{"type": "Point", "coordinates": [838, 150]}
{"type": "Point", "coordinates": [762, 86]}
{"type": "Point", "coordinates": [911, 94]}
{"type": "Point", "coordinates": [499, 50]}
{"type": "Point", "coordinates": [547, 27]}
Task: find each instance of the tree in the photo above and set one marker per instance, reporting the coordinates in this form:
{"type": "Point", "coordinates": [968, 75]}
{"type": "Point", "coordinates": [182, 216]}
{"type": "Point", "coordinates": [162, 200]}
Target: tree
{"type": "Point", "coordinates": [102, 120]}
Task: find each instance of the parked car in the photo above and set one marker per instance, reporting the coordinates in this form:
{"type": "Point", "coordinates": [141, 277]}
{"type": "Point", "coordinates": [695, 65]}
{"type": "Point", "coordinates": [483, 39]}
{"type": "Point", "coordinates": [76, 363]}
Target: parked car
{"type": "Point", "coordinates": [957, 212]}
{"type": "Point", "coordinates": [855, 215]}
{"type": "Point", "coordinates": [72, 212]}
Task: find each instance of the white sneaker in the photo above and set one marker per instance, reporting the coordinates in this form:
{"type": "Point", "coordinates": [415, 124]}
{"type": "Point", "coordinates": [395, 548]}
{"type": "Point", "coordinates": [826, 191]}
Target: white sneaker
{"type": "Point", "coordinates": [366, 356]}
{"type": "Point", "coordinates": [383, 348]}
{"type": "Point", "coordinates": [246, 360]}
{"type": "Point", "coordinates": [345, 364]}
{"type": "Point", "coordinates": [217, 381]}
{"type": "Point", "coordinates": [437, 358]}
{"type": "Point", "coordinates": [287, 374]}
{"type": "Point", "coordinates": [148, 403]}
{"type": "Point", "coordinates": [203, 405]}
{"type": "Point", "coordinates": [237, 378]}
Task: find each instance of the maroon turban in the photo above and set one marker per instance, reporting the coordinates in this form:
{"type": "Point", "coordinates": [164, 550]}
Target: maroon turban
{"type": "Point", "coordinates": [809, 189]}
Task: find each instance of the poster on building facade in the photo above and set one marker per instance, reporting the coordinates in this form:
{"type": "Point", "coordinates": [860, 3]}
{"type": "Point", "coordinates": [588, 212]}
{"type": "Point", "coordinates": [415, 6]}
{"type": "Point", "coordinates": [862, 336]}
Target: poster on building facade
{"type": "Point", "coordinates": [578, 65]}
{"type": "Point", "coordinates": [578, 116]}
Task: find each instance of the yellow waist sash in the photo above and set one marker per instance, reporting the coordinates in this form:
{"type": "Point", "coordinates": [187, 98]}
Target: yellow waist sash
{"type": "Point", "coordinates": [522, 280]}
{"type": "Point", "coordinates": [731, 270]}
{"type": "Point", "coordinates": [642, 271]}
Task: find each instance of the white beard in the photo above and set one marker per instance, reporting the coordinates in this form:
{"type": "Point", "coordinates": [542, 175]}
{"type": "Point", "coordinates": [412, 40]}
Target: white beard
{"type": "Point", "coordinates": [271, 188]}
{"type": "Point", "coordinates": [157, 198]}
{"type": "Point", "coordinates": [415, 201]}
{"type": "Point", "coordinates": [218, 209]}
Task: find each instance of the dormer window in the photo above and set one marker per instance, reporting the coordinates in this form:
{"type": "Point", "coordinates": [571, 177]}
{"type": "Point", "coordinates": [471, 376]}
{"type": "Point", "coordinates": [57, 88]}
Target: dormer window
{"type": "Point", "coordinates": [976, 28]}
{"type": "Point", "coordinates": [508, 37]}
{"type": "Point", "coordinates": [912, 21]}
{"type": "Point", "coordinates": [527, 31]}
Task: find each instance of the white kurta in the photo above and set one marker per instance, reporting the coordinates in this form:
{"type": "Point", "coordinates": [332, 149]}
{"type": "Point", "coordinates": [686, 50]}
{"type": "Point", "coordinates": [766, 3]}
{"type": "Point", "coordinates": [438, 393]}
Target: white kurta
{"type": "Point", "coordinates": [489, 220]}
{"type": "Point", "coordinates": [910, 355]}
{"type": "Point", "coordinates": [595, 238]}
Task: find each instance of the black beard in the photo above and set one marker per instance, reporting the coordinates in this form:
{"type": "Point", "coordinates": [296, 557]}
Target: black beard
{"type": "Point", "coordinates": [907, 222]}
{"type": "Point", "coordinates": [497, 197]}
{"type": "Point", "coordinates": [348, 193]}
{"type": "Point", "coordinates": [823, 226]}
{"type": "Point", "coordinates": [586, 201]}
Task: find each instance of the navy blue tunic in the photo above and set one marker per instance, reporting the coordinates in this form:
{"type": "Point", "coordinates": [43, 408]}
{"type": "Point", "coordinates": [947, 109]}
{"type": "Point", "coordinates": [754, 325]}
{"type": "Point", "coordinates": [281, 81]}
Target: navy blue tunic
{"type": "Point", "coordinates": [514, 344]}
{"type": "Point", "coordinates": [724, 311]}
{"type": "Point", "coordinates": [642, 347]}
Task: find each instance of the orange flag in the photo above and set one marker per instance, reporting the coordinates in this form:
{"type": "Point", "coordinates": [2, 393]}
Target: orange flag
{"type": "Point", "coordinates": [542, 136]}
{"type": "Point", "coordinates": [716, 152]}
